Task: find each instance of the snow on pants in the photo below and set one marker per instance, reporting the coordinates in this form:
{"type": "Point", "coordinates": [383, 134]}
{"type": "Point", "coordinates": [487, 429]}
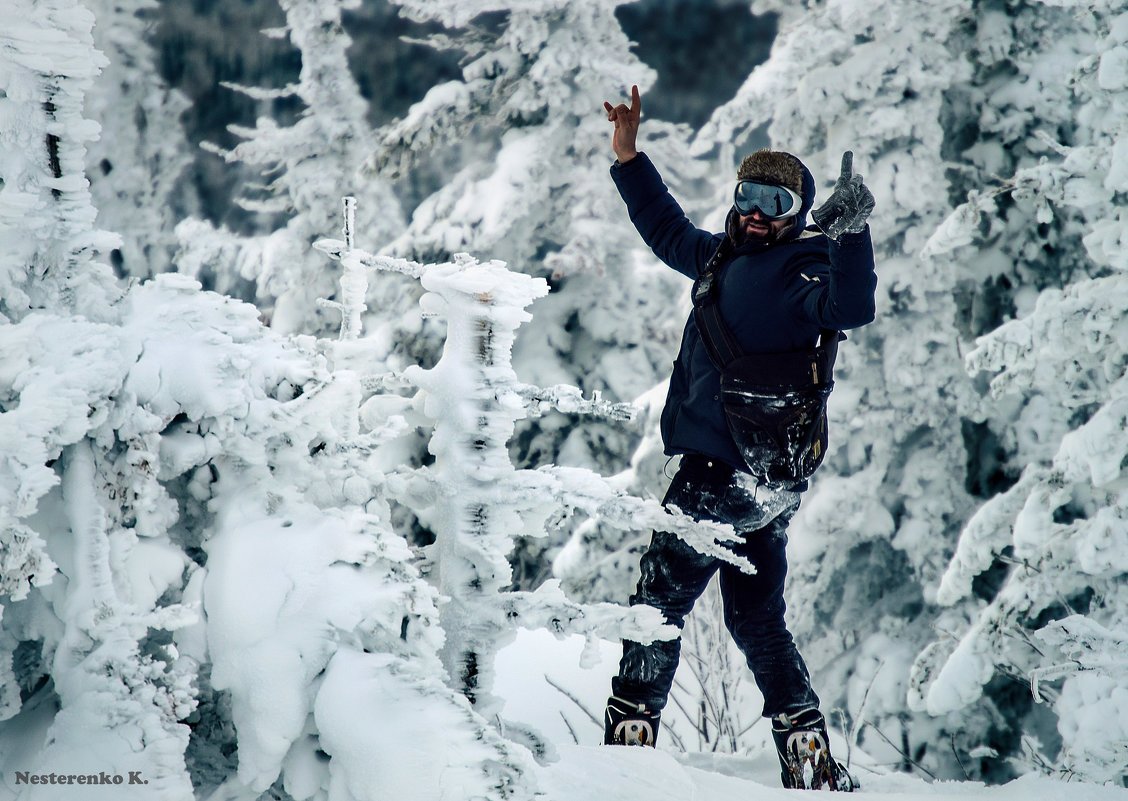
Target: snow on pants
{"type": "Point", "coordinates": [674, 576]}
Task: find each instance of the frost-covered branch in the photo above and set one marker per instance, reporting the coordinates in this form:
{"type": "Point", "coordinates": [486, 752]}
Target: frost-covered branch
{"type": "Point", "coordinates": [582, 489]}
{"type": "Point", "coordinates": [1042, 349]}
{"type": "Point", "coordinates": [548, 608]}
{"type": "Point", "coordinates": [570, 400]}
{"type": "Point", "coordinates": [1087, 645]}
{"type": "Point", "coordinates": [985, 536]}
{"type": "Point", "coordinates": [336, 249]}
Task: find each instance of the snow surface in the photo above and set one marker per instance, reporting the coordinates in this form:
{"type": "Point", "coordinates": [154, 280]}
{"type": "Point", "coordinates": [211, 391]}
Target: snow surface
{"type": "Point", "coordinates": [539, 676]}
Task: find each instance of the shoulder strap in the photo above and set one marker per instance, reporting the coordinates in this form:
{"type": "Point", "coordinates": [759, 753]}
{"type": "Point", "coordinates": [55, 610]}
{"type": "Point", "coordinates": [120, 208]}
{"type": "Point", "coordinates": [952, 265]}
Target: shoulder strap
{"type": "Point", "coordinates": [719, 341]}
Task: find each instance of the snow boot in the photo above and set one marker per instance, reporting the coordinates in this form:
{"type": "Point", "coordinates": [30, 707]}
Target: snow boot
{"type": "Point", "coordinates": [628, 723]}
{"type": "Point", "coordinates": [804, 754]}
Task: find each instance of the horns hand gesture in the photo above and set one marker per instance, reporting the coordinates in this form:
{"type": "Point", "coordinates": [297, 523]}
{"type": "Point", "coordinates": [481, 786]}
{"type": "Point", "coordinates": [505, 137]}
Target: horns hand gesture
{"type": "Point", "coordinates": [848, 206]}
{"type": "Point", "coordinates": [626, 126]}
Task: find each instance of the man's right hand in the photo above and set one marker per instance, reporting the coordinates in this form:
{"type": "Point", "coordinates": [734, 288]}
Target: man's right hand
{"type": "Point", "coordinates": [626, 126]}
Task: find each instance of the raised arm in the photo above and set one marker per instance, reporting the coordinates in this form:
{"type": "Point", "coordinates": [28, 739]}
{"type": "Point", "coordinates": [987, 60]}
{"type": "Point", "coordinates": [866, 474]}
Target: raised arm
{"type": "Point", "coordinates": [840, 295]}
{"type": "Point", "coordinates": [657, 216]}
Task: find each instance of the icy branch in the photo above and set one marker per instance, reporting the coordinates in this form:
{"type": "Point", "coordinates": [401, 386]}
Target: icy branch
{"type": "Point", "coordinates": [588, 491]}
{"type": "Point", "coordinates": [570, 400]}
{"type": "Point", "coordinates": [261, 93]}
{"type": "Point", "coordinates": [985, 536]}
{"type": "Point", "coordinates": [1088, 645]}
{"type": "Point", "coordinates": [548, 608]}
{"type": "Point", "coordinates": [385, 382]}
{"type": "Point", "coordinates": [336, 249]}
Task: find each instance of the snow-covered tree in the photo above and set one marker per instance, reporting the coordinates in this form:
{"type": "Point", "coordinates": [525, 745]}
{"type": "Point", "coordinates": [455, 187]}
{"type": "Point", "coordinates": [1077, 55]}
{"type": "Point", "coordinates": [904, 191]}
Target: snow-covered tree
{"type": "Point", "coordinates": [137, 164]}
{"type": "Point", "coordinates": [473, 498]}
{"type": "Point", "coordinates": [306, 167]}
{"type": "Point", "coordinates": [63, 615]}
{"type": "Point", "coordinates": [540, 199]}
{"type": "Point", "coordinates": [1052, 235]}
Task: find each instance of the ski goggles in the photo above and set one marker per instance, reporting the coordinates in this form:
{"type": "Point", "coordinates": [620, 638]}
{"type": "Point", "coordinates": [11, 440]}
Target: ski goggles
{"type": "Point", "coordinates": [774, 202]}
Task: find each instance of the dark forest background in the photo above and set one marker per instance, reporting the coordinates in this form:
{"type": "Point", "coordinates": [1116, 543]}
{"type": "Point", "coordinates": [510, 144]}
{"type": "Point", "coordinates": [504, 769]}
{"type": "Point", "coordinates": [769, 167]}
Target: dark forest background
{"type": "Point", "coordinates": [701, 54]}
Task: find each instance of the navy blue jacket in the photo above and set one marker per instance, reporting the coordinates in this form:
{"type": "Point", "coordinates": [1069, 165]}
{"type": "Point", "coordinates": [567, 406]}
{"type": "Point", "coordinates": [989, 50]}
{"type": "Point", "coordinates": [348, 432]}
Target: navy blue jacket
{"type": "Point", "coordinates": [773, 297]}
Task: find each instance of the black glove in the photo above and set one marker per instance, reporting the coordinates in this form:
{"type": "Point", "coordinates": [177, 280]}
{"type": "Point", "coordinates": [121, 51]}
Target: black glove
{"type": "Point", "coordinates": [848, 206]}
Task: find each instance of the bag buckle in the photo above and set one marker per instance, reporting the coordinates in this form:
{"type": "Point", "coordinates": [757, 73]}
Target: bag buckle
{"type": "Point", "coordinates": [704, 289]}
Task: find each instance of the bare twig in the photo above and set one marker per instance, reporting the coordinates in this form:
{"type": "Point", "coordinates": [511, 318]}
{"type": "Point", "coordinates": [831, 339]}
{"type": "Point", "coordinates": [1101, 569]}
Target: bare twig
{"type": "Point", "coordinates": [960, 761]}
{"type": "Point", "coordinates": [846, 734]}
{"type": "Point", "coordinates": [568, 694]}
{"type": "Point", "coordinates": [899, 751]}
{"type": "Point", "coordinates": [568, 723]}
{"type": "Point", "coordinates": [675, 738]}
{"type": "Point", "coordinates": [684, 711]}
{"type": "Point", "coordinates": [862, 709]}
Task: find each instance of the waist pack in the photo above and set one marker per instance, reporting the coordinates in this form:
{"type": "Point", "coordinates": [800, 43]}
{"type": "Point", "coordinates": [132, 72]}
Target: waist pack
{"type": "Point", "coordinates": [775, 403]}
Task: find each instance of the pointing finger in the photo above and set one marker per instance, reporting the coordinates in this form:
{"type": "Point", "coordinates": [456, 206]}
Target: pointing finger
{"type": "Point", "coordinates": [847, 165]}
{"type": "Point", "coordinates": [636, 101]}
{"type": "Point", "coordinates": [608, 106]}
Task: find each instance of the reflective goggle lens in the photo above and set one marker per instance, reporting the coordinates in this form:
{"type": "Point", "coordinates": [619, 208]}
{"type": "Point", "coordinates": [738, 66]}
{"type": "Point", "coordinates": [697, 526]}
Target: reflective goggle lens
{"type": "Point", "coordinates": [774, 202]}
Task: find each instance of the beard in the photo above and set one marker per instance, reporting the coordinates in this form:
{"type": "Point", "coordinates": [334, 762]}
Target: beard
{"type": "Point", "coordinates": [762, 233]}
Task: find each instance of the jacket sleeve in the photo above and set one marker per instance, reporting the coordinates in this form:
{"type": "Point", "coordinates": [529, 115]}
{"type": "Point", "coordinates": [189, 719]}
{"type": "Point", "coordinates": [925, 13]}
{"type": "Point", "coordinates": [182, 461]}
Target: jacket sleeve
{"type": "Point", "coordinates": [837, 291]}
{"type": "Point", "coordinates": [659, 219]}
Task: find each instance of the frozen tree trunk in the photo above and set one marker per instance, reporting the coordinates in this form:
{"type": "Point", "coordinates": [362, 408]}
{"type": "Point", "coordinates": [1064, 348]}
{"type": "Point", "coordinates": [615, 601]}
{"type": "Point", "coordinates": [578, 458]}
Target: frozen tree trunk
{"type": "Point", "coordinates": [47, 238]}
{"type": "Point", "coordinates": [120, 710]}
{"type": "Point", "coordinates": [483, 306]}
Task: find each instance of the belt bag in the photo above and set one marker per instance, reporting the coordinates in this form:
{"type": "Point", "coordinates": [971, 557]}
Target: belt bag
{"type": "Point", "coordinates": [775, 403]}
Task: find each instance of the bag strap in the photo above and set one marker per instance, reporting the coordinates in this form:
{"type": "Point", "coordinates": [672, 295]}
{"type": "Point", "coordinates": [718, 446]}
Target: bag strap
{"type": "Point", "coordinates": [720, 343]}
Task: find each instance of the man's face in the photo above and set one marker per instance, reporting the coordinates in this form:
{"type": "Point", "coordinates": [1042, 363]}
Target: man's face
{"type": "Point", "coordinates": [757, 228]}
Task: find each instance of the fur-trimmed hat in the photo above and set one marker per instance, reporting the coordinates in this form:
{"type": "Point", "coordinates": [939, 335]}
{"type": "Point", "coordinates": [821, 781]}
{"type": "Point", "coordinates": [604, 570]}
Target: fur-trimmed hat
{"type": "Point", "coordinates": [773, 167]}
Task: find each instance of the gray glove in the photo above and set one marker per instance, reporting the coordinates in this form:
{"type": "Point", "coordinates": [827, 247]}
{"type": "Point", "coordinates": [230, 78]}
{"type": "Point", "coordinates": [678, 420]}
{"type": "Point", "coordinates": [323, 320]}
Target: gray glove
{"type": "Point", "coordinates": [848, 206]}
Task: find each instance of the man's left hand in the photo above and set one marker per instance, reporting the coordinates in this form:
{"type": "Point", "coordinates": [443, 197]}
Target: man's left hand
{"type": "Point", "coordinates": [848, 206]}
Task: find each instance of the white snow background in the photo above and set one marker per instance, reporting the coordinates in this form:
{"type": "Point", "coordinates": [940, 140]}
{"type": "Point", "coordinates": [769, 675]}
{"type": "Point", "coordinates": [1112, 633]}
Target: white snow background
{"type": "Point", "coordinates": [287, 516]}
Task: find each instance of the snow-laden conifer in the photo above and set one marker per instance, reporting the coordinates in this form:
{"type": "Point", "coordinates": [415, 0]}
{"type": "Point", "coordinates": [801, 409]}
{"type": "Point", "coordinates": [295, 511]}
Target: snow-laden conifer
{"type": "Point", "coordinates": [46, 217]}
{"type": "Point", "coordinates": [1053, 231]}
{"type": "Point", "coordinates": [76, 604]}
{"type": "Point", "coordinates": [136, 165]}
{"type": "Point", "coordinates": [306, 167]}
{"type": "Point", "coordinates": [532, 189]}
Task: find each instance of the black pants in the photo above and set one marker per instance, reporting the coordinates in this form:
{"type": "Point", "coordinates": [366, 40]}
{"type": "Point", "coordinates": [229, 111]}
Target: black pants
{"type": "Point", "coordinates": [674, 575]}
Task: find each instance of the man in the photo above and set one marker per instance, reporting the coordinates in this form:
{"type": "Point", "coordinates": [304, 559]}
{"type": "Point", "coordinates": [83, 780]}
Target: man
{"type": "Point", "coordinates": [780, 285]}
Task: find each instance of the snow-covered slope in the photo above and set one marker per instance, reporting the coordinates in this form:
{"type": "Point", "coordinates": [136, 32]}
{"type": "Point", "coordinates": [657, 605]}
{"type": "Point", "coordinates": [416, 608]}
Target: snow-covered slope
{"type": "Point", "coordinates": [546, 680]}
{"type": "Point", "coordinates": [595, 773]}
